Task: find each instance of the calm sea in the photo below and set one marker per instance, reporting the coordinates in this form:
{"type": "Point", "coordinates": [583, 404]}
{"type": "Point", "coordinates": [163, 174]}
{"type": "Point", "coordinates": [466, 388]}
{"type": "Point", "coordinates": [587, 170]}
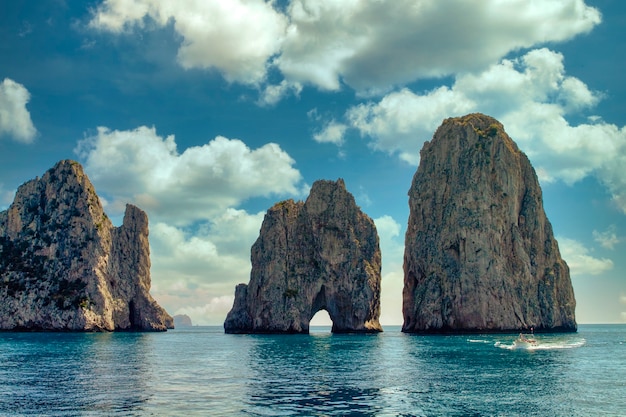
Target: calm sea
{"type": "Point", "coordinates": [202, 371]}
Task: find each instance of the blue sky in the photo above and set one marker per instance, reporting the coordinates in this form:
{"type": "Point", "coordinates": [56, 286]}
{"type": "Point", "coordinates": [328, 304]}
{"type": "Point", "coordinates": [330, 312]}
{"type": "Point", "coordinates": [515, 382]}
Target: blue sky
{"type": "Point", "coordinates": [205, 113]}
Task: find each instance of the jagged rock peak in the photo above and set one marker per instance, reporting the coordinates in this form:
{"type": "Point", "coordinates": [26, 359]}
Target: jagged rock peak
{"type": "Point", "coordinates": [64, 266]}
{"type": "Point", "coordinates": [480, 254]}
{"type": "Point", "coordinates": [322, 254]}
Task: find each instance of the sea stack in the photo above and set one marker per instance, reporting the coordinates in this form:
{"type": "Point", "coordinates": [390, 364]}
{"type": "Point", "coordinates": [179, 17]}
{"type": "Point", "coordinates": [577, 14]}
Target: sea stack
{"type": "Point", "coordinates": [480, 255]}
{"type": "Point", "coordinates": [65, 267]}
{"type": "Point", "coordinates": [322, 254]}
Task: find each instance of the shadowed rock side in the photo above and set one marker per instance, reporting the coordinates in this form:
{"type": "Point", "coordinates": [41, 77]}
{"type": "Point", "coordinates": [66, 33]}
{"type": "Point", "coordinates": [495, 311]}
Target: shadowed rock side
{"type": "Point", "coordinates": [64, 266]}
{"type": "Point", "coordinates": [319, 255]}
{"type": "Point", "coordinates": [480, 254]}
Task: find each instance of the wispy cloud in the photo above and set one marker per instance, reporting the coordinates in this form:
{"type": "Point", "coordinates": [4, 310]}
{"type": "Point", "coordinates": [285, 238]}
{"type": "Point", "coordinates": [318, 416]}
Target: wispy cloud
{"type": "Point", "coordinates": [579, 259]}
{"type": "Point", "coordinates": [607, 239]}
{"type": "Point", "coordinates": [272, 94]}
{"type": "Point", "coordinates": [6, 197]}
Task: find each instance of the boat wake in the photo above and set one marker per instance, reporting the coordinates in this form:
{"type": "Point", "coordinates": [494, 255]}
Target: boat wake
{"type": "Point", "coordinates": [542, 345]}
{"type": "Point", "coordinates": [478, 341]}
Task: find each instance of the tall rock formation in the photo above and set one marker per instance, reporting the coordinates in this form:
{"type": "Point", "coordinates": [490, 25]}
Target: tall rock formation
{"type": "Point", "coordinates": [322, 254]}
{"type": "Point", "coordinates": [64, 266]}
{"type": "Point", "coordinates": [480, 254]}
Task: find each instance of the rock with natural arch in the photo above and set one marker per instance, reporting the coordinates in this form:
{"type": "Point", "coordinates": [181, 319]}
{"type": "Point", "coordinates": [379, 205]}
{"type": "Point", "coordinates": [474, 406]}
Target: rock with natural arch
{"type": "Point", "coordinates": [322, 254]}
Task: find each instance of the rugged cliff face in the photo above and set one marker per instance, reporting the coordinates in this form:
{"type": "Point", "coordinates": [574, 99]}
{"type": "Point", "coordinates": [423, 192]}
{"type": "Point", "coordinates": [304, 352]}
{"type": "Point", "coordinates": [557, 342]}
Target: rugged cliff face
{"type": "Point", "coordinates": [321, 254]}
{"type": "Point", "coordinates": [480, 254]}
{"type": "Point", "coordinates": [64, 266]}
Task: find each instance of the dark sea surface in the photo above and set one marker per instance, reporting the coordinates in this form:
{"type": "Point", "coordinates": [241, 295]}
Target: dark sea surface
{"type": "Point", "coordinates": [202, 371]}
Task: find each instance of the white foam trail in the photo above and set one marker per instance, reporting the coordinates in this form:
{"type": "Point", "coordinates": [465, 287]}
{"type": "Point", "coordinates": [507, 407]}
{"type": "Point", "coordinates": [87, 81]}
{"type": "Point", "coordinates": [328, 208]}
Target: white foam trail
{"type": "Point", "coordinates": [544, 345]}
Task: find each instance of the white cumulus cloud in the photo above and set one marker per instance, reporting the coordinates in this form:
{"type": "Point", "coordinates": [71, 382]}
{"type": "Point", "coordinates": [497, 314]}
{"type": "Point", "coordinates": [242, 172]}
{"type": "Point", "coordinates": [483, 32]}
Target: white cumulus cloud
{"type": "Point", "coordinates": [332, 132]}
{"type": "Point", "coordinates": [373, 45]}
{"type": "Point", "coordinates": [392, 281]}
{"type": "Point", "coordinates": [401, 121]}
{"type": "Point", "coordinates": [369, 45]}
{"type": "Point", "coordinates": [142, 167]}
{"type": "Point", "coordinates": [213, 311]}
{"type": "Point", "coordinates": [191, 266]}
{"type": "Point", "coordinates": [200, 239]}
{"type": "Point", "coordinates": [15, 121]}
{"type": "Point", "coordinates": [236, 37]}
{"type": "Point", "coordinates": [532, 96]}
{"type": "Point", "coordinates": [219, 248]}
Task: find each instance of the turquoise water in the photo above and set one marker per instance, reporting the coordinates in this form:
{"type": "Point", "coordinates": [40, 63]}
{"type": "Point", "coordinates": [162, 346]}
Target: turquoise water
{"type": "Point", "coordinates": [202, 371]}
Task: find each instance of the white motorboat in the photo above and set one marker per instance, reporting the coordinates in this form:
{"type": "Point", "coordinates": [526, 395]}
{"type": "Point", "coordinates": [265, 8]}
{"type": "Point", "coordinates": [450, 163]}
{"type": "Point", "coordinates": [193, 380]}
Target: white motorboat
{"type": "Point", "coordinates": [525, 341]}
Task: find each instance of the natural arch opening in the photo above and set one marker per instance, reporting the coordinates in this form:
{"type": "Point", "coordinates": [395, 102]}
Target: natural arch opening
{"type": "Point", "coordinates": [321, 322]}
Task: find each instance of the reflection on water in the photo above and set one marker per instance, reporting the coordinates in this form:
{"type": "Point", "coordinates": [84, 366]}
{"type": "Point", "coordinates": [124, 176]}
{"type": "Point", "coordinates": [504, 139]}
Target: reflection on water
{"type": "Point", "coordinates": [317, 373]}
{"type": "Point", "coordinates": [64, 373]}
{"type": "Point", "coordinates": [395, 374]}
{"type": "Point", "coordinates": [202, 371]}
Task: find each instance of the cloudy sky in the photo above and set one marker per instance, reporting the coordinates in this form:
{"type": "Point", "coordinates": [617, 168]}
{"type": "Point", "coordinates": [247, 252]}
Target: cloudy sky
{"type": "Point", "coordinates": [206, 113]}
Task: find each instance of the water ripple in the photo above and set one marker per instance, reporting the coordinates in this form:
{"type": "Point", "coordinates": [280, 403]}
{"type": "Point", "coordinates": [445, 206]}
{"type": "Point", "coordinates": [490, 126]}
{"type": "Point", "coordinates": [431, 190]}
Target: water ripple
{"type": "Point", "coordinates": [202, 371]}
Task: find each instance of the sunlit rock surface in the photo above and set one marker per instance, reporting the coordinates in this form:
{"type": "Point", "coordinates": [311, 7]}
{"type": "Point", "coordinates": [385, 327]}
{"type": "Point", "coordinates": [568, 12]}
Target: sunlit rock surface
{"type": "Point", "coordinates": [64, 266]}
{"type": "Point", "coordinates": [320, 254]}
{"type": "Point", "coordinates": [480, 254]}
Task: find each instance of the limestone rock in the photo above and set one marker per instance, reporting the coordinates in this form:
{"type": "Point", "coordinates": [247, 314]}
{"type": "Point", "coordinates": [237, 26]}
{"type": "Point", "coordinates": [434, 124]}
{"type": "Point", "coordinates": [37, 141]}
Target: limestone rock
{"type": "Point", "coordinates": [480, 254]}
{"type": "Point", "coordinates": [320, 254]}
{"type": "Point", "coordinates": [182, 320]}
{"type": "Point", "coordinates": [64, 266]}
